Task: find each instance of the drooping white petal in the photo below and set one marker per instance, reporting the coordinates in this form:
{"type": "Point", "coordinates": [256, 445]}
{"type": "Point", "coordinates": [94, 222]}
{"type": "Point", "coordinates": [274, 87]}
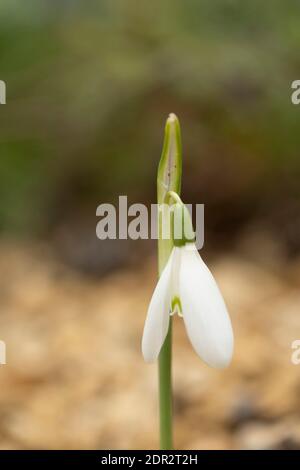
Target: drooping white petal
{"type": "Point", "coordinates": [176, 263]}
{"type": "Point", "coordinates": [158, 316]}
{"type": "Point", "coordinates": [204, 311]}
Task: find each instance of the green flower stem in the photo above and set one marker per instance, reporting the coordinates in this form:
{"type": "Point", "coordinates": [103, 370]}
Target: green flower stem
{"type": "Point", "coordinates": [168, 179]}
{"type": "Point", "coordinates": [165, 392]}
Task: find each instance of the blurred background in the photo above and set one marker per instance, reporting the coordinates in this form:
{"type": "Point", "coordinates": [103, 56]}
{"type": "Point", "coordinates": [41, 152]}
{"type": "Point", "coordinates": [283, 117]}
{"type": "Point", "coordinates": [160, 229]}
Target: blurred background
{"type": "Point", "coordinates": [89, 86]}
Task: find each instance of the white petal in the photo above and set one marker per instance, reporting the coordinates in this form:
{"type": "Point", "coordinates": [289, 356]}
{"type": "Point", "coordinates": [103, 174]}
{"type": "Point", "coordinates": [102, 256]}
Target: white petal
{"type": "Point", "coordinates": [176, 262]}
{"type": "Point", "coordinates": [158, 316]}
{"type": "Point", "coordinates": [204, 311]}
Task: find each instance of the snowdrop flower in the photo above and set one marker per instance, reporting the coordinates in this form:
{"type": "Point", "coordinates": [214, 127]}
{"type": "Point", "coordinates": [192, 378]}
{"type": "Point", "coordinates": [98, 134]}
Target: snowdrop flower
{"type": "Point", "coordinates": [186, 286]}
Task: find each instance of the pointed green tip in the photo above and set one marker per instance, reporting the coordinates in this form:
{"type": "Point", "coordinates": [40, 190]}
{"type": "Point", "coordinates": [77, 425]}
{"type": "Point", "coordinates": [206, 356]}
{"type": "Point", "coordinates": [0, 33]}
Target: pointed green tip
{"type": "Point", "coordinates": [172, 125]}
{"type": "Point", "coordinates": [170, 166]}
{"type": "Point", "coordinates": [172, 118]}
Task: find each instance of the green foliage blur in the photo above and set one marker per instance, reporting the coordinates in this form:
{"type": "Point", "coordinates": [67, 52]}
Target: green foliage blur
{"type": "Point", "coordinates": [90, 84]}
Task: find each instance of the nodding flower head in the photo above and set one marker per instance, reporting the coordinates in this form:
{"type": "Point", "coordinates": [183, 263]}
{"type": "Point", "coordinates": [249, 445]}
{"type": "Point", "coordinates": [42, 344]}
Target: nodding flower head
{"type": "Point", "coordinates": [186, 286]}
